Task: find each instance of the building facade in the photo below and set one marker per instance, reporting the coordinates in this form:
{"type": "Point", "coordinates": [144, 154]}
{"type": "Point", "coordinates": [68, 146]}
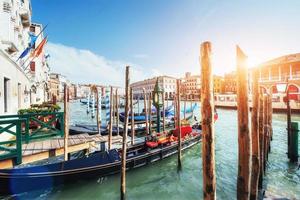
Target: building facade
{"type": "Point", "coordinates": [22, 83]}
{"type": "Point", "coordinates": [282, 69]}
{"type": "Point", "coordinates": [191, 86]}
{"type": "Point", "coordinates": [230, 85]}
{"type": "Point", "coordinates": [38, 69]}
{"type": "Point", "coordinates": [167, 83]}
{"type": "Point", "coordinates": [218, 82]}
{"type": "Point", "coordinates": [57, 83]}
{"type": "Point", "coordinates": [54, 85]}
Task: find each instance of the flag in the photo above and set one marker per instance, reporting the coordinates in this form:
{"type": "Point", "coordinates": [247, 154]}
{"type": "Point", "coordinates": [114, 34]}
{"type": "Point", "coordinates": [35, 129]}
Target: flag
{"type": "Point", "coordinates": [24, 53]}
{"type": "Point", "coordinates": [38, 50]}
{"type": "Point", "coordinates": [32, 40]}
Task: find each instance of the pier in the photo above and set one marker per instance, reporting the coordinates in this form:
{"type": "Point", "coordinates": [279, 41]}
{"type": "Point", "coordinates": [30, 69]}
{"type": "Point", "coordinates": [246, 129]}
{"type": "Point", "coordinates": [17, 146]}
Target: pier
{"type": "Point", "coordinates": [40, 150]}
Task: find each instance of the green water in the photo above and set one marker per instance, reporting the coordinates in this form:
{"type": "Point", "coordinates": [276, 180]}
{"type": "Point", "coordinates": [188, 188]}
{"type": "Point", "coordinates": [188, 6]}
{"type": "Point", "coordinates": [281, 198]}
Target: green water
{"type": "Point", "coordinates": [162, 181]}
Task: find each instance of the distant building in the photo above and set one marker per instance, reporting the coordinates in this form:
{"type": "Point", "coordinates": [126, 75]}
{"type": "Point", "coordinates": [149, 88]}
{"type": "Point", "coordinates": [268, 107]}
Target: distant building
{"type": "Point", "coordinates": [191, 86]}
{"type": "Point", "coordinates": [83, 90]}
{"type": "Point", "coordinates": [54, 85]}
{"type": "Point", "coordinates": [61, 80]}
{"type": "Point", "coordinates": [230, 85]}
{"type": "Point", "coordinates": [167, 83]}
{"type": "Point", "coordinates": [218, 82]}
{"type": "Point", "coordinates": [73, 91]}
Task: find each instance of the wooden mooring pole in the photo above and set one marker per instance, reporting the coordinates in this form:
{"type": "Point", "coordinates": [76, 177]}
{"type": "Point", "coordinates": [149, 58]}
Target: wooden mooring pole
{"type": "Point", "coordinates": [270, 114]}
{"type": "Point", "coordinates": [164, 112]}
{"type": "Point", "coordinates": [261, 136]}
{"type": "Point", "coordinates": [98, 111]}
{"type": "Point", "coordinates": [265, 123]}
{"type": "Point", "coordinates": [255, 138]}
{"type": "Point", "coordinates": [146, 111]}
{"type": "Point", "coordinates": [175, 111]}
{"type": "Point", "coordinates": [124, 143]}
{"type": "Point", "coordinates": [150, 112]}
{"type": "Point", "coordinates": [66, 120]}
{"type": "Point", "coordinates": [244, 136]}
{"type": "Point", "coordinates": [179, 125]}
{"type": "Point", "coordinates": [132, 117]}
{"type": "Point", "coordinates": [117, 111]}
{"type": "Point", "coordinates": [207, 115]}
{"type": "Point", "coordinates": [111, 104]}
{"type": "Point", "coordinates": [184, 107]}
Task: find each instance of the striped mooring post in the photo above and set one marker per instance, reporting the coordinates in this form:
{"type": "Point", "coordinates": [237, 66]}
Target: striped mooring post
{"type": "Point", "coordinates": [107, 105]}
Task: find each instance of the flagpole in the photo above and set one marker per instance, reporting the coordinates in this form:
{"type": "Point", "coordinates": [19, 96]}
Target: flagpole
{"type": "Point", "coordinates": [35, 55]}
{"type": "Point", "coordinates": [27, 47]}
{"type": "Point", "coordinates": [42, 30]}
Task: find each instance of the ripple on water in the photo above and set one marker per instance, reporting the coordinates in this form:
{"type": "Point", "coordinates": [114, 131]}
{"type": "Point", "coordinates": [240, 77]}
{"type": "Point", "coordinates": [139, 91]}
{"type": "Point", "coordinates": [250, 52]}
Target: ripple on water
{"type": "Point", "coordinates": [161, 180]}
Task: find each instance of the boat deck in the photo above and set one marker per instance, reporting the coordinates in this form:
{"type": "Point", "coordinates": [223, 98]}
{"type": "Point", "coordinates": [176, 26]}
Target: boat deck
{"type": "Point", "coordinates": [39, 150]}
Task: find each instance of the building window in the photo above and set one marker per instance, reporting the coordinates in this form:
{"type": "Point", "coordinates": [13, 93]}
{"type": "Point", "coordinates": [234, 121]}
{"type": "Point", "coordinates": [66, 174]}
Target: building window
{"type": "Point", "coordinates": [6, 85]}
{"type": "Point", "coordinates": [6, 7]}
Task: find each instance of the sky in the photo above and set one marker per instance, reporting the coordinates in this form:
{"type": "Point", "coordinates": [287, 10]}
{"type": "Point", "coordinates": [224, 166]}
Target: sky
{"type": "Point", "coordinates": [91, 41]}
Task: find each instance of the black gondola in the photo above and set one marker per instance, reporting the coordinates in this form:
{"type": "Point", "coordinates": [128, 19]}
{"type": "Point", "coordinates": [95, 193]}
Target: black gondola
{"type": "Point", "coordinates": [98, 164]}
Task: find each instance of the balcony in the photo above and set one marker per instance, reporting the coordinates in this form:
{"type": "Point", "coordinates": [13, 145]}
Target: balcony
{"type": "Point", "coordinates": [10, 47]}
{"type": "Point", "coordinates": [25, 17]}
{"type": "Point", "coordinates": [279, 79]}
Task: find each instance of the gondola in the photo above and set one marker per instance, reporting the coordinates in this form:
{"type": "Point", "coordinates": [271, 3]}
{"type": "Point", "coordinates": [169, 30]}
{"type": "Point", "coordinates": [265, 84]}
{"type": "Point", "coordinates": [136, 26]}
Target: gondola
{"type": "Point", "coordinates": [141, 117]}
{"type": "Point", "coordinates": [92, 129]}
{"type": "Point", "coordinates": [97, 164]}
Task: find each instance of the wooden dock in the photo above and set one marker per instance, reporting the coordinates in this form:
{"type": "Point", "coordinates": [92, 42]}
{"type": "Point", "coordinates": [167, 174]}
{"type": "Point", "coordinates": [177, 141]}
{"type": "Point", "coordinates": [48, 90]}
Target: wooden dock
{"type": "Point", "coordinates": [40, 150]}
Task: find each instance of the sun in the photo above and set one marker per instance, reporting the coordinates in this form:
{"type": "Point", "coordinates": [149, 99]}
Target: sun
{"type": "Point", "coordinates": [252, 62]}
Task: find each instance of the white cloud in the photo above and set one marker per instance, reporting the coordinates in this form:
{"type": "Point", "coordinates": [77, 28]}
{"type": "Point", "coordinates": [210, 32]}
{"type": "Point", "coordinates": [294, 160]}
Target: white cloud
{"type": "Point", "coordinates": [84, 66]}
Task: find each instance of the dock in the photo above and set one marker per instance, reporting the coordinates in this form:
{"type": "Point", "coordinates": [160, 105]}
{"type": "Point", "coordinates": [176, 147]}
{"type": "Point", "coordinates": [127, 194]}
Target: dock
{"type": "Point", "coordinates": [39, 150]}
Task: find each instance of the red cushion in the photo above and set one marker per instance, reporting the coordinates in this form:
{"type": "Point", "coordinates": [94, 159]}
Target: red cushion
{"type": "Point", "coordinates": [152, 144]}
{"type": "Point", "coordinates": [185, 130]}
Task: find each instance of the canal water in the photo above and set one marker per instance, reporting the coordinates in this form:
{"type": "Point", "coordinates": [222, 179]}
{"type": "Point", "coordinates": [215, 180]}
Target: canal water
{"type": "Point", "coordinates": [162, 181]}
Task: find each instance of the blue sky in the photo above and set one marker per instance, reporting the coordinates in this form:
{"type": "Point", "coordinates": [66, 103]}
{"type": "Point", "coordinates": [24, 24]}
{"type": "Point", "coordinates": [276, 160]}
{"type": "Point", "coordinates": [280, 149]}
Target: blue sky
{"type": "Point", "coordinates": [163, 36]}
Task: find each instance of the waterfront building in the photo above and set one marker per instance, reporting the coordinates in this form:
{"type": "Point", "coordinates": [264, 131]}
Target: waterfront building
{"type": "Point", "coordinates": [53, 85]}
{"type": "Point", "coordinates": [60, 80]}
{"type": "Point", "coordinates": [230, 85]}
{"type": "Point", "coordinates": [167, 83]}
{"type": "Point", "coordinates": [218, 82]}
{"type": "Point", "coordinates": [21, 82]}
{"type": "Point", "coordinates": [83, 90]}
{"type": "Point", "coordinates": [191, 86]}
{"type": "Point", "coordinates": [73, 91]}
{"type": "Point", "coordinates": [281, 69]}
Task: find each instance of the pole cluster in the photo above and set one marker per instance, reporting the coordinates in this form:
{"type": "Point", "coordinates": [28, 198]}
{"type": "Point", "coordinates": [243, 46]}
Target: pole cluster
{"type": "Point", "coordinates": [254, 146]}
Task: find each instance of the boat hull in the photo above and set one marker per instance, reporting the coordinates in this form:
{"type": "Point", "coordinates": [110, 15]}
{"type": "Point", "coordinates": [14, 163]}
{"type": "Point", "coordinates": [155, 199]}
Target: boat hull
{"type": "Point", "coordinates": [14, 183]}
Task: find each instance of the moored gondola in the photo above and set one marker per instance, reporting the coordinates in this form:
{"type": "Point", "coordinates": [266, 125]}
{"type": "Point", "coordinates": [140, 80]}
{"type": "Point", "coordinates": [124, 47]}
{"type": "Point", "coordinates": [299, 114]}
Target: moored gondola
{"type": "Point", "coordinates": [97, 164]}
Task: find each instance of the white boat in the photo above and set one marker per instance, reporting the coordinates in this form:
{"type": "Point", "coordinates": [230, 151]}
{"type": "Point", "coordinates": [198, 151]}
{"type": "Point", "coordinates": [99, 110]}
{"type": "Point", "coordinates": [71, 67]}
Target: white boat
{"type": "Point", "coordinates": [278, 103]}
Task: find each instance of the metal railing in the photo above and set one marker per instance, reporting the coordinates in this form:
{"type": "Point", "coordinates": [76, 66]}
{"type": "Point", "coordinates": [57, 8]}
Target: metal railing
{"type": "Point", "coordinates": [11, 148]}
{"type": "Point", "coordinates": [25, 128]}
{"type": "Point", "coordinates": [40, 125]}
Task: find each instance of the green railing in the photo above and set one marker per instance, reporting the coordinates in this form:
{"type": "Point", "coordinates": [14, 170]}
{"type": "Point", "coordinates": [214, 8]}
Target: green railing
{"type": "Point", "coordinates": [11, 148]}
{"type": "Point", "coordinates": [43, 125]}
{"type": "Point", "coordinates": [40, 125]}
{"type": "Point", "coordinates": [27, 128]}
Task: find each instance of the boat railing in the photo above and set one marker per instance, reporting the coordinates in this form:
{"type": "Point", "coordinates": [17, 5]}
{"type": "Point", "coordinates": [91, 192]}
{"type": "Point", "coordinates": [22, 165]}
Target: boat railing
{"type": "Point", "coordinates": [12, 147]}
